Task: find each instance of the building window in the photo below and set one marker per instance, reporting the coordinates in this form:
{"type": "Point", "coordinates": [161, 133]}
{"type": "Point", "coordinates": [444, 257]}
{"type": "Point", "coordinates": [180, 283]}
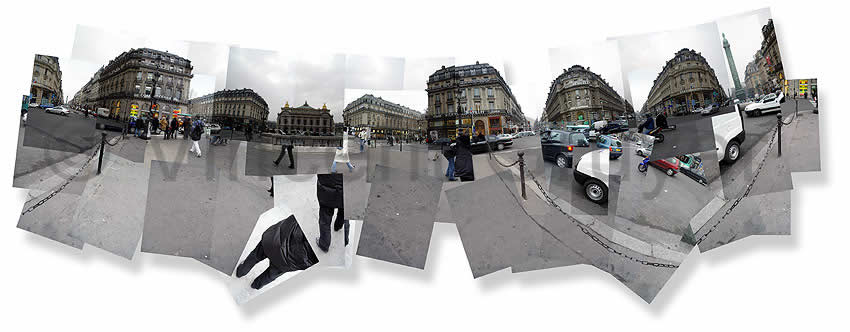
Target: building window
{"type": "Point", "coordinates": [476, 93]}
{"type": "Point", "coordinates": [138, 89]}
{"type": "Point", "coordinates": [150, 76]}
{"type": "Point", "coordinates": [492, 105]}
{"type": "Point", "coordinates": [147, 90]}
{"type": "Point", "coordinates": [139, 76]}
{"type": "Point", "coordinates": [490, 92]}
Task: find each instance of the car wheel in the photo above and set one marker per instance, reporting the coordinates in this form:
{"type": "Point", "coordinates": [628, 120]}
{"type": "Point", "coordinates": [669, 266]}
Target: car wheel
{"type": "Point", "coordinates": [757, 113]}
{"type": "Point", "coordinates": [670, 172]}
{"type": "Point", "coordinates": [659, 138]}
{"type": "Point", "coordinates": [596, 191]}
{"type": "Point", "coordinates": [561, 161]}
{"type": "Point", "coordinates": [733, 151]}
{"type": "Point", "coordinates": [500, 147]}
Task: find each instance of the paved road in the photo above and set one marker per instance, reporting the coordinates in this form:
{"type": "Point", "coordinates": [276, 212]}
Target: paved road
{"type": "Point", "coordinates": [693, 133]}
{"type": "Point", "coordinates": [72, 133]}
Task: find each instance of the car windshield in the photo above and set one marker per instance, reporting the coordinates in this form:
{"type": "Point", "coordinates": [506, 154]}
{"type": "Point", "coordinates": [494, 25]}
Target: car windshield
{"type": "Point", "coordinates": [579, 140]}
{"type": "Point", "coordinates": [617, 144]}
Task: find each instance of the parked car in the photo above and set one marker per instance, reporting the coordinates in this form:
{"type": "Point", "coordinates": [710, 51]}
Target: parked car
{"type": "Point", "coordinates": [614, 146]}
{"type": "Point", "coordinates": [710, 110]}
{"type": "Point", "coordinates": [526, 133]}
{"type": "Point", "coordinates": [214, 128]}
{"type": "Point", "coordinates": [688, 165]}
{"type": "Point", "coordinates": [558, 145]}
{"type": "Point", "coordinates": [591, 172]}
{"type": "Point", "coordinates": [34, 105]}
{"type": "Point", "coordinates": [509, 136]}
{"type": "Point", "coordinates": [441, 141]}
{"type": "Point", "coordinates": [769, 103]}
{"type": "Point", "coordinates": [670, 166]}
{"type": "Point", "coordinates": [496, 143]}
{"type": "Point", "coordinates": [58, 110]}
{"type": "Point", "coordinates": [103, 112]}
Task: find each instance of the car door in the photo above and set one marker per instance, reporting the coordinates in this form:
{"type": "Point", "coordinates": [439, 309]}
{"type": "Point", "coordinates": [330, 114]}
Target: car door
{"type": "Point", "coordinates": [546, 144]}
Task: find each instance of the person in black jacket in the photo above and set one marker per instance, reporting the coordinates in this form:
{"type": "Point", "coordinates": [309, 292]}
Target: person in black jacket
{"type": "Point", "coordinates": [463, 160]}
{"type": "Point", "coordinates": [287, 249]}
{"type": "Point", "coordinates": [330, 195]}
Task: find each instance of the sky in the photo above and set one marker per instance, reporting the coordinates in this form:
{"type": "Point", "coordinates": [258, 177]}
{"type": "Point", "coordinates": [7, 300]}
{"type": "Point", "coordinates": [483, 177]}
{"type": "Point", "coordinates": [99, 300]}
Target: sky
{"type": "Point", "coordinates": [643, 57]}
{"type": "Point", "coordinates": [744, 35]}
{"type": "Point", "coordinates": [95, 47]}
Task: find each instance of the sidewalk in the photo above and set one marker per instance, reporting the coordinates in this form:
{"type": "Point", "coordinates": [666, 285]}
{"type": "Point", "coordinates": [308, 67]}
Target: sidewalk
{"type": "Point", "coordinates": [656, 250]}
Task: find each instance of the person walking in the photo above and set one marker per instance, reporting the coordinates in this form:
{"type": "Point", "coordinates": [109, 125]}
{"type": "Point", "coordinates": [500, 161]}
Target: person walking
{"type": "Point", "coordinates": [197, 129]}
{"type": "Point", "coordinates": [285, 147]}
{"type": "Point", "coordinates": [163, 125]}
{"type": "Point", "coordinates": [249, 132]}
{"type": "Point", "coordinates": [362, 139]}
{"type": "Point", "coordinates": [187, 128]}
{"type": "Point", "coordinates": [173, 129]}
{"type": "Point", "coordinates": [286, 248]}
{"type": "Point", "coordinates": [449, 152]}
{"type": "Point", "coordinates": [341, 155]}
{"type": "Point", "coordinates": [330, 195]}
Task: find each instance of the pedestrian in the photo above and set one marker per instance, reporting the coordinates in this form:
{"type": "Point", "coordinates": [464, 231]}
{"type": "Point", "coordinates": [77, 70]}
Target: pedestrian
{"type": "Point", "coordinates": [187, 128]}
{"type": "Point", "coordinates": [449, 152]}
{"type": "Point", "coordinates": [285, 147]}
{"type": "Point", "coordinates": [197, 129]}
{"type": "Point", "coordinates": [249, 132]}
{"type": "Point", "coordinates": [163, 125]}
{"type": "Point", "coordinates": [271, 189]}
{"type": "Point", "coordinates": [133, 126]}
{"type": "Point", "coordinates": [463, 158]}
{"type": "Point", "coordinates": [173, 129]}
{"type": "Point", "coordinates": [286, 248]}
{"type": "Point", "coordinates": [341, 155]}
{"type": "Point", "coordinates": [329, 192]}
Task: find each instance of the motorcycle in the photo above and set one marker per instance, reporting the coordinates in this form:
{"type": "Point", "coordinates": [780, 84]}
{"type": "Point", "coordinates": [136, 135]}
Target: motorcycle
{"type": "Point", "coordinates": [644, 165]}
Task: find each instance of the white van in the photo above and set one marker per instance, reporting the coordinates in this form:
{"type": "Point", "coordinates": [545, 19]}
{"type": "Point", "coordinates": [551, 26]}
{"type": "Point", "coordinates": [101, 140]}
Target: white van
{"type": "Point", "coordinates": [591, 172]}
{"type": "Point", "coordinates": [729, 134]}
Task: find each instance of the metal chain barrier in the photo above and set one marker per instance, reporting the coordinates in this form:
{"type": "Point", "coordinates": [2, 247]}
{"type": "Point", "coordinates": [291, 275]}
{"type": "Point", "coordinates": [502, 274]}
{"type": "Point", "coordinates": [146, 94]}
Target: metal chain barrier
{"type": "Point", "coordinates": [592, 234]}
{"type": "Point", "coordinates": [746, 192]}
{"type": "Point", "coordinates": [68, 180]}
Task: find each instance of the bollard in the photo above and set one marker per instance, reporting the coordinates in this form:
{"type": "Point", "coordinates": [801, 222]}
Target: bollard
{"type": "Point", "coordinates": [779, 133]}
{"type": "Point", "coordinates": [100, 157]}
{"type": "Point", "coordinates": [522, 173]}
{"type": "Point", "coordinates": [399, 146]}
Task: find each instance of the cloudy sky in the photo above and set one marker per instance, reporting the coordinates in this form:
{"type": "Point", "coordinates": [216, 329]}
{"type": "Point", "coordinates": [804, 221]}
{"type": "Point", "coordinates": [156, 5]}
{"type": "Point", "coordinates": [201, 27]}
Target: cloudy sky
{"type": "Point", "coordinates": [744, 35]}
{"type": "Point", "coordinates": [643, 57]}
{"type": "Point", "coordinates": [269, 73]}
{"type": "Point", "coordinates": [95, 47]}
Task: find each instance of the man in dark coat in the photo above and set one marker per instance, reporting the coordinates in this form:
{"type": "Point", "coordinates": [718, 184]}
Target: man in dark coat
{"type": "Point", "coordinates": [661, 120]}
{"type": "Point", "coordinates": [463, 160]}
{"type": "Point", "coordinates": [187, 127]}
{"type": "Point", "coordinates": [329, 192]}
{"type": "Point", "coordinates": [173, 131]}
{"type": "Point", "coordinates": [285, 147]}
{"type": "Point", "coordinates": [287, 249]}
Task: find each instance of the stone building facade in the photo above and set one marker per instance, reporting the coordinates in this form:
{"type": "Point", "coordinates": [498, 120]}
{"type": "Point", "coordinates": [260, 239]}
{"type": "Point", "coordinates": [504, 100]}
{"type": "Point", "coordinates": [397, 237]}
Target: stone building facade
{"type": "Point", "coordinates": [580, 96]}
{"type": "Point", "coordinates": [305, 119]}
{"type": "Point", "coordinates": [773, 59]}
{"type": "Point", "coordinates": [141, 81]}
{"type": "Point", "coordinates": [234, 108]}
{"type": "Point", "coordinates": [755, 76]}
{"type": "Point", "coordinates": [384, 117]}
{"type": "Point", "coordinates": [46, 85]}
{"type": "Point", "coordinates": [685, 83]}
{"type": "Point", "coordinates": [486, 103]}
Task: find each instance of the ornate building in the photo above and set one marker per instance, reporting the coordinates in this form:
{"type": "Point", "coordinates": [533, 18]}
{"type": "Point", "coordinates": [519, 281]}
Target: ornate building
{"type": "Point", "coordinates": [486, 103]}
{"type": "Point", "coordinates": [773, 60]}
{"type": "Point", "coordinates": [305, 119]}
{"type": "Point", "coordinates": [580, 96]}
{"type": "Point", "coordinates": [139, 81]}
{"type": "Point", "coordinates": [755, 76]}
{"type": "Point", "coordinates": [383, 116]}
{"type": "Point", "coordinates": [686, 82]}
{"type": "Point", "coordinates": [46, 85]}
{"type": "Point", "coordinates": [233, 108]}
